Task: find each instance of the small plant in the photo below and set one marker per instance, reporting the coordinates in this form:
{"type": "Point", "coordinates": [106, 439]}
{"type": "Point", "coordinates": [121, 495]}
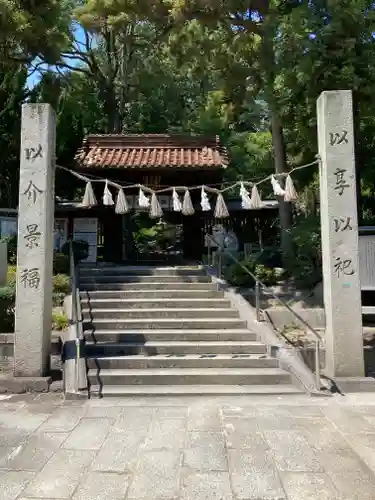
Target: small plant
{"type": "Point", "coordinates": [59, 321]}
{"type": "Point", "coordinates": [236, 274]}
{"type": "Point", "coordinates": [61, 284]}
{"type": "Point", "coordinates": [7, 303]}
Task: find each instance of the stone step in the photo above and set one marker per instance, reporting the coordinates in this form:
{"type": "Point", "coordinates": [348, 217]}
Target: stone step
{"type": "Point", "coordinates": [146, 285]}
{"type": "Point", "coordinates": [123, 278]}
{"type": "Point", "coordinates": [182, 361]}
{"type": "Point", "coordinates": [155, 314]}
{"type": "Point", "coordinates": [172, 334]}
{"type": "Point", "coordinates": [156, 303]}
{"type": "Point", "coordinates": [163, 323]}
{"type": "Point", "coordinates": [174, 347]}
{"type": "Point", "coordinates": [130, 294]}
{"type": "Point", "coordinates": [189, 376]}
{"type": "Point", "coordinates": [142, 271]}
{"type": "Point", "coordinates": [118, 391]}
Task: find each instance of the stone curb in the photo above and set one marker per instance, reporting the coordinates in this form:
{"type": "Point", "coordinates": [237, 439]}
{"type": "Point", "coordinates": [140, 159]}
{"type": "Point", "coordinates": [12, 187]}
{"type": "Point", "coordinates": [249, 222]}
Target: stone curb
{"type": "Point", "coordinates": [20, 385]}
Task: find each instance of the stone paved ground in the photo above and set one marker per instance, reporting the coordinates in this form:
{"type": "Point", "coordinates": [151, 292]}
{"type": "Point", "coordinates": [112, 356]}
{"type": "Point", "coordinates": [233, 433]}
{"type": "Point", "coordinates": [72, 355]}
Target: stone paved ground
{"type": "Point", "coordinates": [293, 448]}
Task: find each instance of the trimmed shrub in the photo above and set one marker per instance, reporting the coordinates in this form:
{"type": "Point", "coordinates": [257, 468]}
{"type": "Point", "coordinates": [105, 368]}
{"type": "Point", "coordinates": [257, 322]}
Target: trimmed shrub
{"type": "Point", "coordinates": [61, 264]}
{"type": "Point", "coordinates": [80, 250]}
{"type": "Point", "coordinates": [61, 284]}
{"type": "Point", "coordinates": [59, 321]}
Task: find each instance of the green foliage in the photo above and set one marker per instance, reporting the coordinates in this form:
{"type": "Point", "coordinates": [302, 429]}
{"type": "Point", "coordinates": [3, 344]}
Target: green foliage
{"type": "Point", "coordinates": [11, 242]}
{"type": "Point", "coordinates": [306, 267]}
{"type": "Point", "coordinates": [12, 276]}
{"type": "Point", "coordinates": [61, 263]}
{"type": "Point", "coordinates": [61, 284]}
{"type": "Point", "coordinates": [80, 250]}
{"type": "Point", "coordinates": [7, 303]}
{"type": "Point", "coordinates": [236, 275]}
{"type": "Point", "coordinates": [59, 321]}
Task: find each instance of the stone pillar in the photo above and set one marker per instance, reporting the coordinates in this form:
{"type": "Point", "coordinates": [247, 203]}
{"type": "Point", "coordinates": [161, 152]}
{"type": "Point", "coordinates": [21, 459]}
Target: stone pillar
{"type": "Point", "coordinates": [338, 203]}
{"type": "Point", "coordinates": [35, 242]}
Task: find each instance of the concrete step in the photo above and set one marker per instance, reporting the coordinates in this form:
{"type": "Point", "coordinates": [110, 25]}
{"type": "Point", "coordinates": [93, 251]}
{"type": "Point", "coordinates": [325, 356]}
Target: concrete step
{"type": "Point", "coordinates": [118, 391]}
{"type": "Point", "coordinates": [123, 278]}
{"type": "Point", "coordinates": [174, 348]}
{"type": "Point", "coordinates": [147, 285]}
{"type": "Point", "coordinates": [163, 323]}
{"type": "Point", "coordinates": [368, 310]}
{"type": "Point", "coordinates": [142, 271]}
{"type": "Point", "coordinates": [174, 336]}
{"type": "Point", "coordinates": [189, 376]}
{"type": "Point", "coordinates": [182, 361]}
{"type": "Point", "coordinates": [151, 294]}
{"type": "Point", "coordinates": [155, 314]}
{"type": "Point", "coordinates": [156, 303]}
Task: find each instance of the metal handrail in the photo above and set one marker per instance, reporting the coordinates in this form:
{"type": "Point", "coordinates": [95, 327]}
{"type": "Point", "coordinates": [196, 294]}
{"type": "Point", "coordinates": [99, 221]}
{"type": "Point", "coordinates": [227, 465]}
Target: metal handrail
{"type": "Point", "coordinates": [75, 312]}
{"type": "Point", "coordinates": [259, 284]}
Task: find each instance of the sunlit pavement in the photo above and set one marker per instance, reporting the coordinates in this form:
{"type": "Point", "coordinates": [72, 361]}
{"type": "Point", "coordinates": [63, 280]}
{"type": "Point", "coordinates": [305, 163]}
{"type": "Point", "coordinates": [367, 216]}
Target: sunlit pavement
{"type": "Point", "coordinates": [292, 447]}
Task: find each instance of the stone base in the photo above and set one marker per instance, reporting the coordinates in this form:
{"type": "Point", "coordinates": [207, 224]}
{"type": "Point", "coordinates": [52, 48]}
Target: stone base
{"type": "Point", "coordinates": [20, 385]}
{"type": "Point", "coordinates": [72, 396]}
{"type": "Point", "coordinates": [355, 384]}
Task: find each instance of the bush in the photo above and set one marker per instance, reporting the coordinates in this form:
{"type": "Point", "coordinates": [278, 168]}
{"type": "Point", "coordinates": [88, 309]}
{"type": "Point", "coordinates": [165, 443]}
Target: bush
{"type": "Point", "coordinates": [7, 304]}
{"type": "Point", "coordinates": [61, 264]}
{"type": "Point", "coordinates": [61, 284]}
{"type": "Point", "coordinates": [12, 277]}
{"type": "Point", "coordinates": [59, 321]}
{"type": "Point", "coordinates": [11, 242]}
{"type": "Point", "coordinates": [306, 267]}
{"type": "Point", "coordinates": [80, 250]}
{"type": "Point", "coordinates": [236, 275]}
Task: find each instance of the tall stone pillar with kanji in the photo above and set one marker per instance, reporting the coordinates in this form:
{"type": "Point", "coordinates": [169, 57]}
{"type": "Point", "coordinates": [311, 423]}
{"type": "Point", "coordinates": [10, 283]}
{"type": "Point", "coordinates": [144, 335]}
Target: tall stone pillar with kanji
{"type": "Point", "coordinates": [33, 314]}
{"type": "Point", "coordinates": [339, 226]}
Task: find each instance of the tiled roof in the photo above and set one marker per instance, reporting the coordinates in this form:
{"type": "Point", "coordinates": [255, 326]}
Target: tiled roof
{"type": "Point", "coordinates": [151, 151]}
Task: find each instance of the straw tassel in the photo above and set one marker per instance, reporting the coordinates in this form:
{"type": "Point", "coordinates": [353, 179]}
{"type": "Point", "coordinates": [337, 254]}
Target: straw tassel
{"type": "Point", "coordinates": [107, 196]}
{"type": "Point", "coordinates": [187, 206]}
{"type": "Point", "coordinates": [177, 205]}
{"type": "Point", "coordinates": [290, 191]}
{"type": "Point", "coordinates": [143, 201]}
{"type": "Point", "coordinates": [221, 210]}
{"type": "Point", "coordinates": [89, 199]}
{"type": "Point", "coordinates": [155, 211]}
{"type": "Point", "coordinates": [122, 206]}
{"type": "Point", "coordinates": [255, 200]}
{"type": "Point", "coordinates": [245, 197]}
{"type": "Point", "coordinates": [277, 189]}
{"type": "Point", "coordinates": [205, 202]}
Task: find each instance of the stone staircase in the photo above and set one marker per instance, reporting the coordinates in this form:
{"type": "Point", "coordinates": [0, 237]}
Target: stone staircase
{"type": "Point", "coordinates": [155, 330]}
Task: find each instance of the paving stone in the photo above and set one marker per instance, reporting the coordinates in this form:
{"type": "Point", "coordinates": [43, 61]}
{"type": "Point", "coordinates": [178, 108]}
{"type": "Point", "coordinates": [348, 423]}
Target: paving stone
{"type": "Point", "coordinates": [171, 412]}
{"type": "Point", "coordinates": [24, 420]}
{"type": "Point", "coordinates": [254, 476]}
{"type": "Point", "coordinates": [61, 475]}
{"type": "Point", "coordinates": [157, 476]}
{"type": "Point", "coordinates": [292, 451]}
{"type": "Point", "coordinates": [352, 478]}
{"type": "Point", "coordinates": [204, 419]}
{"type": "Point", "coordinates": [12, 437]}
{"type": "Point", "coordinates": [102, 486]}
{"type": "Point", "coordinates": [103, 412]}
{"type": "Point", "coordinates": [12, 483]}
{"type": "Point", "coordinates": [364, 445]}
{"type": "Point", "coordinates": [347, 421]}
{"type": "Point", "coordinates": [119, 452]}
{"type": "Point", "coordinates": [206, 486]}
{"type": "Point", "coordinates": [166, 433]}
{"type": "Point", "coordinates": [206, 451]}
{"type": "Point", "coordinates": [309, 486]}
{"type": "Point", "coordinates": [63, 420]}
{"type": "Point", "coordinates": [137, 419]}
{"type": "Point", "coordinates": [34, 453]}
{"type": "Point", "coordinates": [89, 434]}
{"type": "Point", "coordinates": [240, 435]}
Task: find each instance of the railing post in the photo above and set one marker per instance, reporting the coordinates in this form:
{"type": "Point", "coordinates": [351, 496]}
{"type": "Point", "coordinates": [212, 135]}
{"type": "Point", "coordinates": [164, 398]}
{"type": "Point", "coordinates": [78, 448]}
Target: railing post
{"type": "Point", "coordinates": [257, 300]}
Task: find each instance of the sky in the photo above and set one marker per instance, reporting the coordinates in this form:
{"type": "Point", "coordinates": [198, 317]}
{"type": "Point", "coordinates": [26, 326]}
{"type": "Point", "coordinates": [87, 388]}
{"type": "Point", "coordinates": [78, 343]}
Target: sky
{"type": "Point", "coordinates": [35, 77]}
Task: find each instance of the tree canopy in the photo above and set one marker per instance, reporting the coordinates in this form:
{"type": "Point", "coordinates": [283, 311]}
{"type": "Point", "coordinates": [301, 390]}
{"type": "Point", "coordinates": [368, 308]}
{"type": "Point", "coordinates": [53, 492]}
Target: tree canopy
{"type": "Point", "coordinates": [249, 71]}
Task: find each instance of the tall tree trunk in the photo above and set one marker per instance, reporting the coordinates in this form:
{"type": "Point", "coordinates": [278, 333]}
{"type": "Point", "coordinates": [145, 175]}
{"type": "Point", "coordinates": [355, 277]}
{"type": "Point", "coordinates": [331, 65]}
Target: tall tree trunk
{"type": "Point", "coordinates": [285, 212]}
